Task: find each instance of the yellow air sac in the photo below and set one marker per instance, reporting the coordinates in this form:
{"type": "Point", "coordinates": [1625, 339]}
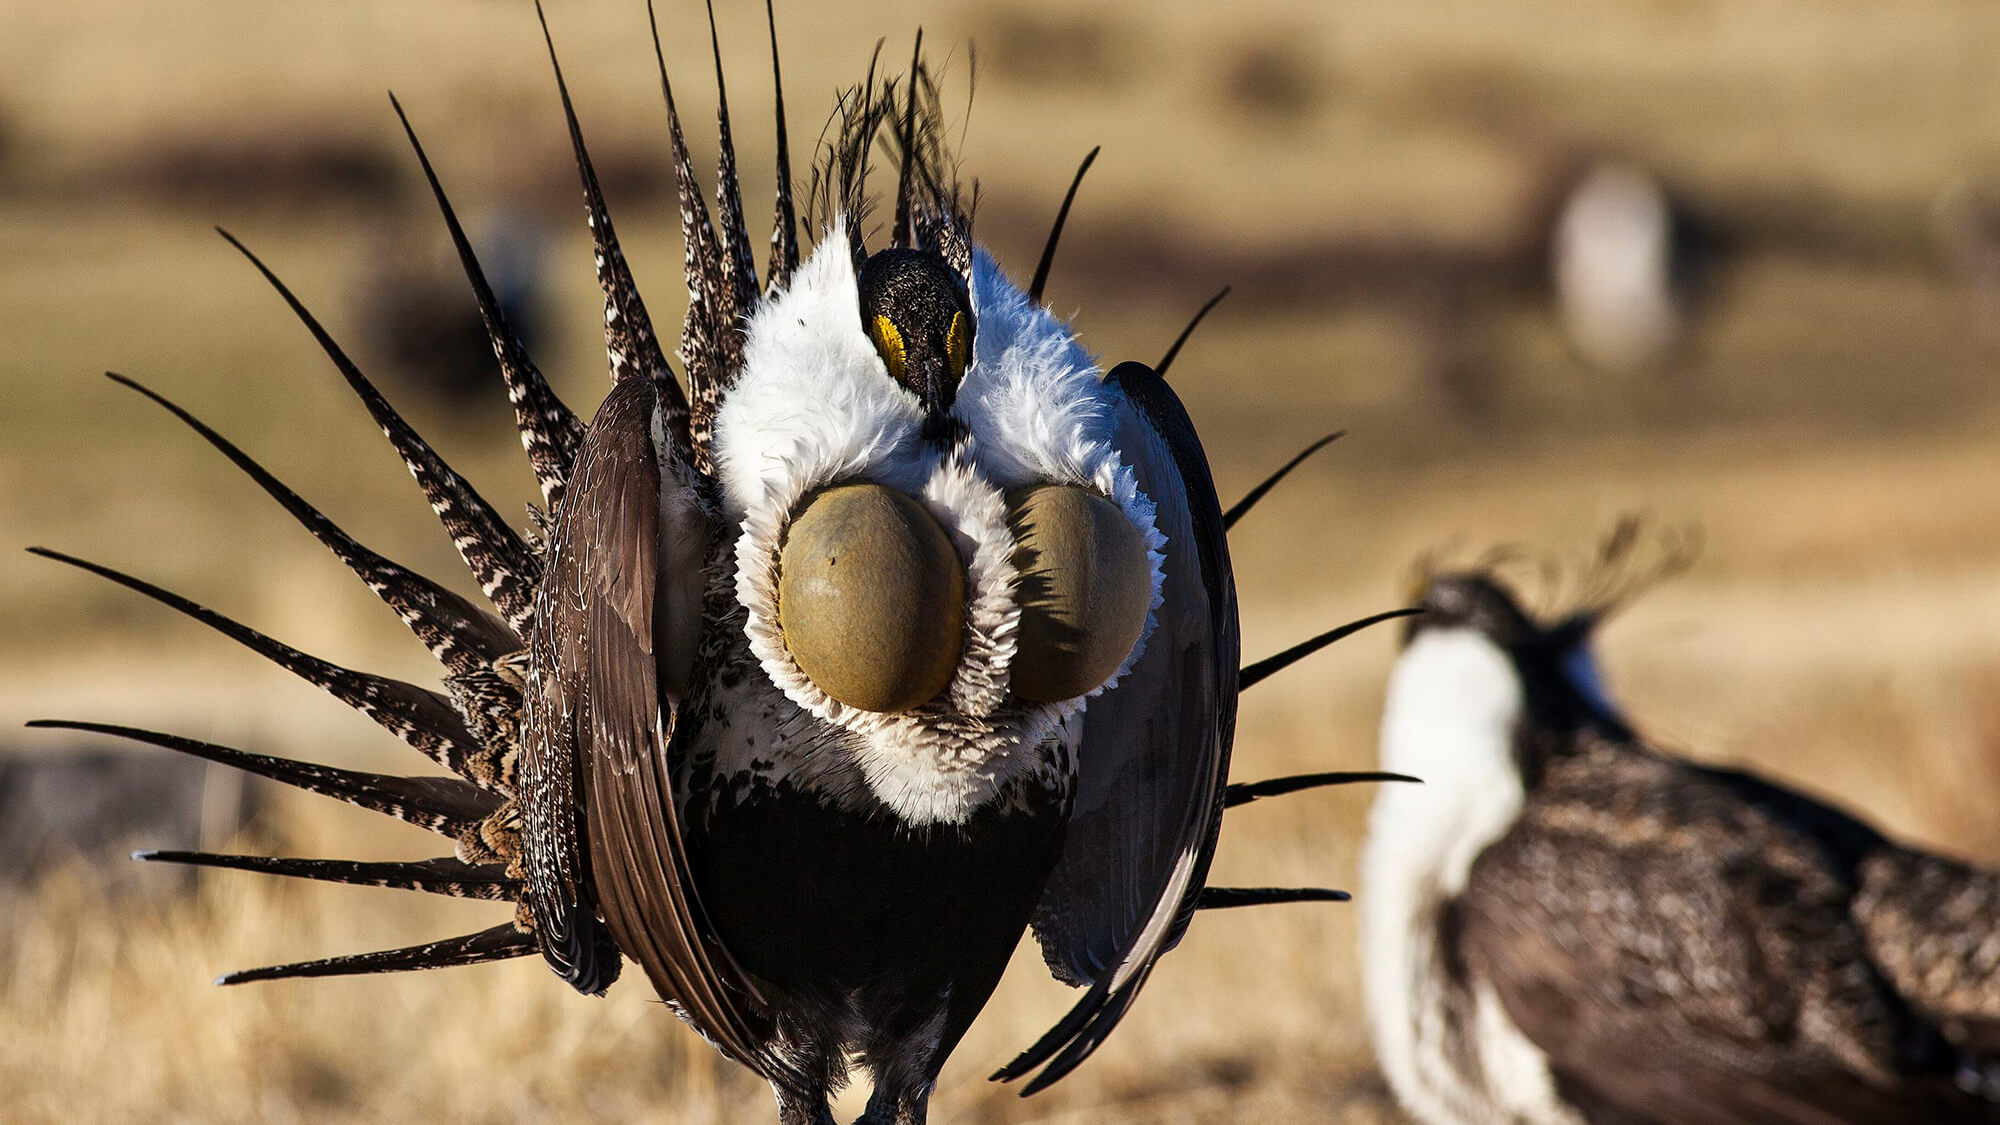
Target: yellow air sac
{"type": "Point", "coordinates": [871, 598]}
{"type": "Point", "coordinates": [1084, 586]}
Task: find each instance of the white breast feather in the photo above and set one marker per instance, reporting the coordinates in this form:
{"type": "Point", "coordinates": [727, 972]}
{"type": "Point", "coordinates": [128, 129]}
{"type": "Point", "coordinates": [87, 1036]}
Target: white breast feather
{"type": "Point", "coordinates": [1453, 704]}
{"type": "Point", "coordinates": [814, 406]}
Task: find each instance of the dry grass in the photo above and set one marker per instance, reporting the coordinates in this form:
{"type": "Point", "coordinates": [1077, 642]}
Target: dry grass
{"type": "Point", "coordinates": [1843, 630]}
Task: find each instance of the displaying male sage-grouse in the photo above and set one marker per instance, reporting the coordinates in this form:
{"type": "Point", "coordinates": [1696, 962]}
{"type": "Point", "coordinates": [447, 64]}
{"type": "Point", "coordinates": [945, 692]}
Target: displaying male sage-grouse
{"type": "Point", "coordinates": [1566, 925]}
{"type": "Point", "coordinates": [902, 629]}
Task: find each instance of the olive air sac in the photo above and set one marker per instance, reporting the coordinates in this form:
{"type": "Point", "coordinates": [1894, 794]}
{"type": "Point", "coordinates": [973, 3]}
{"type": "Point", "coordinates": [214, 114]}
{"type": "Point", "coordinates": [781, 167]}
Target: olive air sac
{"type": "Point", "coordinates": [871, 598]}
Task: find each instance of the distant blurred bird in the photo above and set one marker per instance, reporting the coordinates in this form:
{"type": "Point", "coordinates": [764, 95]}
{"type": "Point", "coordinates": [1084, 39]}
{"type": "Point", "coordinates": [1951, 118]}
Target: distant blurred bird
{"type": "Point", "coordinates": [60, 806]}
{"type": "Point", "coordinates": [1966, 222]}
{"type": "Point", "coordinates": [1564, 924]}
{"type": "Point", "coordinates": [419, 321]}
{"type": "Point", "coordinates": [901, 630]}
{"type": "Point", "coordinates": [1630, 264]}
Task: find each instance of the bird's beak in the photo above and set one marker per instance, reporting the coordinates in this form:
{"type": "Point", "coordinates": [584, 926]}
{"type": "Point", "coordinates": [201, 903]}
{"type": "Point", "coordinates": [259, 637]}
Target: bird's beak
{"type": "Point", "coordinates": [938, 393]}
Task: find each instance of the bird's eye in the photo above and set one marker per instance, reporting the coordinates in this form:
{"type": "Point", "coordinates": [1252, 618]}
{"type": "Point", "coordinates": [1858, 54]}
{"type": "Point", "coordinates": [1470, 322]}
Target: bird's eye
{"type": "Point", "coordinates": [871, 597]}
{"type": "Point", "coordinates": [889, 344]}
{"type": "Point", "coordinates": [958, 341]}
{"type": "Point", "coordinates": [1084, 588]}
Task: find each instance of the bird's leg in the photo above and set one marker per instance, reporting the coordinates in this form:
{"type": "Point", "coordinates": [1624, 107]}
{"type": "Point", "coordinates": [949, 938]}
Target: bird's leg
{"type": "Point", "coordinates": [905, 1074]}
{"type": "Point", "coordinates": [794, 1109]}
{"type": "Point", "coordinates": [897, 1104]}
{"type": "Point", "coordinates": [818, 1060]}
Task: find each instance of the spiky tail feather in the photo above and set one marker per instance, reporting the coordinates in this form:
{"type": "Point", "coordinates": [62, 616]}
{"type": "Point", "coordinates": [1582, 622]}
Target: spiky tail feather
{"type": "Point", "coordinates": [476, 650]}
{"type": "Point", "coordinates": [474, 731]}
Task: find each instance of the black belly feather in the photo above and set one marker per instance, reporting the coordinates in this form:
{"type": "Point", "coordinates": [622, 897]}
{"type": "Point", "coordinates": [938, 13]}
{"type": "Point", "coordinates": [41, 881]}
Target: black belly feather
{"type": "Point", "coordinates": [862, 917]}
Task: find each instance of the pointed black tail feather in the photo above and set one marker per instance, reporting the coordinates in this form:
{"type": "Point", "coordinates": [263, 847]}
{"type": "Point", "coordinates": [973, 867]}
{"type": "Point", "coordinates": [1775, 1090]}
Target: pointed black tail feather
{"type": "Point", "coordinates": [420, 717]}
{"type": "Point", "coordinates": [1224, 898]}
{"type": "Point", "coordinates": [462, 636]}
{"type": "Point", "coordinates": [447, 806]}
{"type": "Point", "coordinates": [1244, 792]}
{"type": "Point", "coordinates": [449, 877]}
{"type": "Point", "coordinates": [1080, 1033]}
{"type": "Point", "coordinates": [731, 231]}
{"type": "Point", "coordinates": [906, 183]}
{"type": "Point", "coordinates": [501, 563]}
{"type": "Point", "coordinates": [1242, 507]}
{"type": "Point", "coordinates": [550, 431]}
{"type": "Point", "coordinates": [1256, 673]}
{"type": "Point", "coordinates": [1055, 230]}
{"type": "Point", "coordinates": [785, 217]}
{"type": "Point", "coordinates": [838, 190]}
{"type": "Point", "coordinates": [1174, 351]}
{"type": "Point", "coordinates": [495, 944]}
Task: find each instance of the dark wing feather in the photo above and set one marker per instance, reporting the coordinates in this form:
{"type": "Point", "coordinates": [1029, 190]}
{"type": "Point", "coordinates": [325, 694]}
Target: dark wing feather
{"type": "Point", "coordinates": [1933, 924]}
{"type": "Point", "coordinates": [1683, 955]}
{"type": "Point", "coordinates": [1154, 755]}
{"type": "Point", "coordinates": [598, 725]}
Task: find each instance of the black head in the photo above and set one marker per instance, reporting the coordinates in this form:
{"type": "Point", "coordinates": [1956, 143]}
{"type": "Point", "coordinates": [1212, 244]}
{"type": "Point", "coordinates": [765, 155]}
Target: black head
{"type": "Point", "coordinates": [1557, 668]}
{"type": "Point", "coordinates": [915, 309]}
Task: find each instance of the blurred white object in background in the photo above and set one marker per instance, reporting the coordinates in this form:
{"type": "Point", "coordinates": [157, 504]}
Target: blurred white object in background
{"type": "Point", "coordinates": [1614, 257]}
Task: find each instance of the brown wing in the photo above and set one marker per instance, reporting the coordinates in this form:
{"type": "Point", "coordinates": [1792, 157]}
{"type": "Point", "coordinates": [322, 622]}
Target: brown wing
{"type": "Point", "coordinates": [1682, 956]}
{"type": "Point", "coordinates": [611, 625]}
{"type": "Point", "coordinates": [1933, 924]}
{"type": "Point", "coordinates": [1154, 756]}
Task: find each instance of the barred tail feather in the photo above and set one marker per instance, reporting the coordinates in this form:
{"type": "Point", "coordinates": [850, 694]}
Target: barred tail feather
{"type": "Point", "coordinates": [550, 431]}
{"type": "Point", "coordinates": [463, 637]}
{"type": "Point", "coordinates": [447, 806]}
{"type": "Point", "coordinates": [505, 568]}
{"type": "Point", "coordinates": [449, 877]}
{"type": "Point", "coordinates": [495, 944]}
{"type": "Point", "coordinates": [732, 233]}
{"type": "Point", "coordinates": [628, 330]}
{"type": "Point", "coordinates": [710, 349]}
{"type": "Point", "coordinates": [420, 717]}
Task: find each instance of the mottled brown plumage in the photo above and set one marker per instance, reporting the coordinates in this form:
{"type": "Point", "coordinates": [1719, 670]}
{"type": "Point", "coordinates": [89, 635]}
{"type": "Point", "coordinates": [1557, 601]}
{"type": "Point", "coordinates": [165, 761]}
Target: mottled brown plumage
{"type": "Point", "coordinates": [1638, 938]}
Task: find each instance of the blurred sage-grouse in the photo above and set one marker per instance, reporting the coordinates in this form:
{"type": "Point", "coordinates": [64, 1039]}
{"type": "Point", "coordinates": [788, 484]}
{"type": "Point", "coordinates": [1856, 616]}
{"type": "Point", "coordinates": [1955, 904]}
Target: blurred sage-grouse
{"type": "Point", "coordinates": [900, 629]}
{"type": "Point", "coordinates": [1566, 925]}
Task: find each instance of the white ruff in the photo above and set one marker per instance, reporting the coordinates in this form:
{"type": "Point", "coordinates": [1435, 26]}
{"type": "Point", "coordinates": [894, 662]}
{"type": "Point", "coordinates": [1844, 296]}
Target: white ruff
{"type": "Point", "coordinates": [815, 406]}
{"type": "Point", "coordinates": [1453, 704]}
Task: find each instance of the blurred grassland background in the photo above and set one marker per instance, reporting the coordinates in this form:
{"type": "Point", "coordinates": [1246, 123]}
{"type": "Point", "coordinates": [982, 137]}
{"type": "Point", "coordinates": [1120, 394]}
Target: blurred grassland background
{"type": "Point", "coordinates": [1372, 175]}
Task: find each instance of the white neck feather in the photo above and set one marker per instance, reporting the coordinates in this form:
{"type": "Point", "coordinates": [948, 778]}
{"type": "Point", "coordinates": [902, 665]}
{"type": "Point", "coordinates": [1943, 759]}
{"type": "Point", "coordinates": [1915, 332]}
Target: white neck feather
{"type": "Point", "coordinates": [815, 405]}
{"type": "Point", "coordinates": [1453, 703]}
